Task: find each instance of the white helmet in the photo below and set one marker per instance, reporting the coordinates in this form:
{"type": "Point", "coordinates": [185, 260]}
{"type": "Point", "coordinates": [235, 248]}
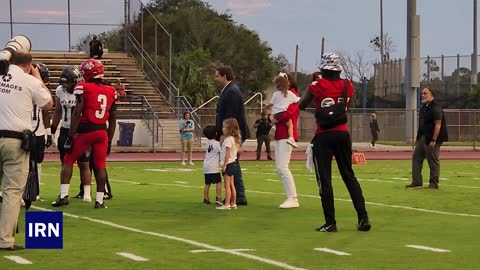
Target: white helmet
{"type": "Point", "coordinates": [330, 61]}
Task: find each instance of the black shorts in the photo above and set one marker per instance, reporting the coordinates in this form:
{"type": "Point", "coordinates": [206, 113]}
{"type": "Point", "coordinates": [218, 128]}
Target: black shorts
{"type": "Point", "coordinates": [61, 142]}
{"type": "Point", "coordinates": [231, 169]}
{"type": "Point", "coordinates": [38, 153]}
{"type": "Point", "coordinates": [212, 178]}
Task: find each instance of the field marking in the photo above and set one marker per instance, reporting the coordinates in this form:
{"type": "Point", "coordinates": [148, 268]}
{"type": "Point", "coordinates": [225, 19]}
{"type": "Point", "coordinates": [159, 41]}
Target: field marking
{"type": "Point", "coordinates": [336, 252]}
{"type": "Point", "coordinates": [428, 248]}
{"type": "Point", "coordinates": [18, 259]}
{"type": "Point", "coordinates": [209, 250]}
{"type": "Point", "coordinates": [132, 256]}
{"type": "Point", "coordinates": [183, 240]}
{"type": "Point", "coordinates": [337, 199]}
{"type": "Point", "coordinates": [180, 182]}
{"type": "Point", "coordinates": [170, 170]}
{"type": "Point", "coordinates": [399, 178]}
{"type": "Point", "coordinates": [272, 180]}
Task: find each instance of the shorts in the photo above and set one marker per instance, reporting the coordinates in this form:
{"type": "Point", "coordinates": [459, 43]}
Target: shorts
{"type": "Point", "coordinates": [278, 115]}
{"type": "Point", "coordinates": [231, 169]}
{"type": "Point", "coordinates": [38, 153]}
{"type": "Point", "coordinates": [97, 141]}
{"type": "Point", "coordinates": [61, 142]}
{"type": "Point", "coordinates": [212, 178]}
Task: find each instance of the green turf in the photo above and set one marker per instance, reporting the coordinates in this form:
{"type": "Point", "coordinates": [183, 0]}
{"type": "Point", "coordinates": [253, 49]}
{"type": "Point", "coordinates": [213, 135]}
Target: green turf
{"type": "Point", "coordinates": [152, 201]}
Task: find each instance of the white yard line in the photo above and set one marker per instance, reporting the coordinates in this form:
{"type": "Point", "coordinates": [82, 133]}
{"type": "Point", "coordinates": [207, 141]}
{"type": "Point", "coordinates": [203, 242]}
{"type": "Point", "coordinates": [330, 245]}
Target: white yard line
{"type": "Point", "coordinates": [272, 180]}
{"type": "Point", "coordinates": [132, 256]}
{"type": "Point", "coordinates": [428, 248]}
{"type": "Point", "coordinates": [336, 252]}
{"type": "Point", "coordinates": [180, 182]}
{"type": "Point", "coordinates": [183, 240]}
{"type": "Point", "coordinates": [18, 259]}
{"type": "Point", "coordinates": [209, 250]}
{"type": "Point", "coordinates": [337, 199]}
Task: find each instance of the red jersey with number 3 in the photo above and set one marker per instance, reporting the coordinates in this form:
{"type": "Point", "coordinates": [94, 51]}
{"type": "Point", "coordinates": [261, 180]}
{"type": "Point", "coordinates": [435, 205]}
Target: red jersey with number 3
{"type": "Point", "coordinates": [98, 99]}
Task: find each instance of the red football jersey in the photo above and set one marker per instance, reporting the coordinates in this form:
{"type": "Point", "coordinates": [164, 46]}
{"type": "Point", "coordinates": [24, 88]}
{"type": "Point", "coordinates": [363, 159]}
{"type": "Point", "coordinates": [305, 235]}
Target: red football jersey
{"type": "Point", "coordinates": [327, 93]}
{"type": "Point", "coordinates": [98, 99]}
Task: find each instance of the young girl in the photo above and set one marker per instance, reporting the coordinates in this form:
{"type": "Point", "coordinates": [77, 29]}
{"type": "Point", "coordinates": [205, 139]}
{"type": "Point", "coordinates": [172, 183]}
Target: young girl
{"type": "Point", "coordinates": [228, 155]}
{"type": "Point", "coordinates": [281, 99]}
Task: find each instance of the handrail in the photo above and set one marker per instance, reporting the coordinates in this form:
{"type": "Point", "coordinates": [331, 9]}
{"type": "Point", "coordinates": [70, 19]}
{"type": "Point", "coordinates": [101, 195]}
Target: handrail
{"type": "Point", "coordinates": [261, 100]}
{"type": "Point", "coordinates": [203, 105]}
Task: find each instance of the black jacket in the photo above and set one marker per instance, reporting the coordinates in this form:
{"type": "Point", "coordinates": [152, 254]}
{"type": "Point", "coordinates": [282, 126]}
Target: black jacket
{"type": "Point", "coordinates": [428, 114]}
{"type": "Point", "coordinates": [230, 105]}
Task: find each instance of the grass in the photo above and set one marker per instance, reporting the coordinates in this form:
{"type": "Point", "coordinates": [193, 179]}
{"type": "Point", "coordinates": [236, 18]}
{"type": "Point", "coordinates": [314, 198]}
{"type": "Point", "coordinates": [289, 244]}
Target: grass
{"type": "Point", "coordinates": [166, 201]}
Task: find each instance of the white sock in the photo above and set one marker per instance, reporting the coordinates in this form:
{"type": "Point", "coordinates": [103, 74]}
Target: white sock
{"type": "Point", "coordinates": [64, 190]}
{"type": "Point", "coordinates": [106, 189]}
{"type": "Point", "coordinates": [87, 191]}
{"type": "Point", "coordinates": [39, 171]}
{"type": "Point", "coordinates": [99, 197]}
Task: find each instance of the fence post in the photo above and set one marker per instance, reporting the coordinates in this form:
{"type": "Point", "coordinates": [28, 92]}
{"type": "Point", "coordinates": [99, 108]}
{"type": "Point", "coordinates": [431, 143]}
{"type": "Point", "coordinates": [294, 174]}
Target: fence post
{"type": "Point", "coordinates": [443, 75]}
{"type": "Point", "coordinates": [458, 77]}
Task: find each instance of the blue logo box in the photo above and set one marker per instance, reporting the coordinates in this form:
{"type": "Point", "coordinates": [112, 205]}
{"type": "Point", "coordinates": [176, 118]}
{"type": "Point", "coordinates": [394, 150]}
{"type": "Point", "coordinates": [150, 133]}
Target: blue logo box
{"type": "Point", "coordinates": [43, 230]}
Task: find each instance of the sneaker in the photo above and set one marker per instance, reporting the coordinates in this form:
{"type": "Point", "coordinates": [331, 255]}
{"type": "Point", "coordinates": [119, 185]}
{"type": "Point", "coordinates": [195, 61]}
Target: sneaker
{"type": "Point", "coordinates": [327, 228]}
{"type": "Point", "coordinates": [98, 205]}
{"type": "Point", "coordinates": [371, 145]}
{"type": "Point", "coordinates": [60, 201]}
{"type": "Point", "coordinates": [205, 201]}
{"type": "Point", "coordinates": [258, 158]}
{"type": "Point", "coordinates": [79, 195]}
{"type": "Point", "coordinates": [431, 186]}
{"type": "Point", "coordinates": [12, 248]}
{"type": "Point", "coordinates": [223, 207]}
{"type": "Point", "coordinates": [87, 200]}
{"type": "Point", "coordinates": [218, 201]}
{"type": "Point", "coordinates": [234, 206]}
{"type": "Point", "coordinates": [289, 203]}
{"type": "Point", "coordinates": [191, 163]}
{"type": "Point", "coordinates": [1, 199]}
{"type": "Point", "coordinates": [269, 158]}
{"type": "Point", "coordinates": [364, 225]}
{"type": "Point", "coordinates": [107, 196]}
{"type": "Point", "coordinates": [412, 185]}
{"type": "Point", "coordinates": [183, 163]}
{"type": "Point", "coordinates": [292, 142]}
{"type": "Point", "coordinates": [39, 199]}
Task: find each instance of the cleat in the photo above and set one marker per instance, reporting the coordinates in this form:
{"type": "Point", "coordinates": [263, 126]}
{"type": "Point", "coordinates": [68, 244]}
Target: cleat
{"type": "Point", "coordinates": [218, 201]}
{"type": "Point", "coordinates": [327, 228]}
{"type": "Point", "coordinates": [107, 196]}
{"type": "Point", "coordinates": [60, 201]}
{"type": "Point", "coordinates": [412, 185]}
{"type": "Point", "coordinates": [98, 205]}
{"type": "Point", "coordinates": [79, 195]}
{"type": "Point", "coordinates": [364, 225]}
{"type": "Point", "coordinates": [205, 201]}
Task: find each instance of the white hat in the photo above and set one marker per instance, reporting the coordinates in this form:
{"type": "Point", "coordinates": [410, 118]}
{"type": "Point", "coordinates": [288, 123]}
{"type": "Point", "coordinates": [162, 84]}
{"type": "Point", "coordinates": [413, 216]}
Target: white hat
{"type": "Point", "coordinates": [330, 62]}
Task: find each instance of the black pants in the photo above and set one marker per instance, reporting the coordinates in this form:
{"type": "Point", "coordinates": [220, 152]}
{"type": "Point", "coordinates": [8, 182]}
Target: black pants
{"type": "Point", "coordinates": [260, 140]}
{"type": "Point", "coordinates": [338, 144]}
{"type": "Point", "coordinates": [374, 137]}
{"type": "Point", "coordinates": [238, 182]}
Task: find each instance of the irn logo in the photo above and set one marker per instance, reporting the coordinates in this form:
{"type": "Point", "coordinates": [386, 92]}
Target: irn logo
{"type": "Point", "coordinates": [43, 230]}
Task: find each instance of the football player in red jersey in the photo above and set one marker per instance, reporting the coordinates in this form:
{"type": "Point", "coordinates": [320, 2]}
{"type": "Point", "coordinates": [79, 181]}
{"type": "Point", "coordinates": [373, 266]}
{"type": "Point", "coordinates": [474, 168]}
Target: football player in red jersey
{"type": "Point", "coordinates": [95, 107]}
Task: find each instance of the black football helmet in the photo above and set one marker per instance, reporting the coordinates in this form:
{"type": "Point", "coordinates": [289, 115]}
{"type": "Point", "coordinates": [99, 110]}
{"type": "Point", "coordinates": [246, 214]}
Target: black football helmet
{"type": "Point", "coordinates": [44, 72]}
{"type": "Point", "coordinates": [70, 74]}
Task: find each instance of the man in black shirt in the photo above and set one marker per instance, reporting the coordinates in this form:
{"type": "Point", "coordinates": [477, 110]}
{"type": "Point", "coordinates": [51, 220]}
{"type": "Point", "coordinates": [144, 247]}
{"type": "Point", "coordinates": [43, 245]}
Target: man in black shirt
{"type": "Point", "coordinates": [263, 128]}
{"type": "Point", "coordinates": [432, 132]}
{"type": "Point", "coordinates": [96, 48]}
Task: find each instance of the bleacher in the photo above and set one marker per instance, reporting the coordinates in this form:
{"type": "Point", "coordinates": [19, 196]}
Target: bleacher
{"type": "Point", "coordinates": [117, 66]}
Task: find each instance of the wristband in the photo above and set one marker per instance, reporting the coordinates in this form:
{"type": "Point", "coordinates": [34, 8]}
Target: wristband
{"type": "Point", "coordinates": [48, 131]}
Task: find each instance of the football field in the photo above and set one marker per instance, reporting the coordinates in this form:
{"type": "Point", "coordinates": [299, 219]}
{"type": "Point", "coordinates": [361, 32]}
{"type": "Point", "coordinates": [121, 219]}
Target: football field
{"type": "Point", "coordinates": [156, 220]}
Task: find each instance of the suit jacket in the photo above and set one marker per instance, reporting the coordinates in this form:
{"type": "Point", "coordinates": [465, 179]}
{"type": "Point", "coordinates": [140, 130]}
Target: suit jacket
{"type": "Point", "coordinates": [230, 105]}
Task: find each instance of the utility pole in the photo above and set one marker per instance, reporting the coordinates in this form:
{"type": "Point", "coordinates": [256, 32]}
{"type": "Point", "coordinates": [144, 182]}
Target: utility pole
{"type": "Point", "coordinates": [381, 33]}
{"type": "Point", "coordinates": [412, 70]}
{"type": "Point", "coordinates": [322, 50]}
{"type": "Point", "coordinates": [296, 61]}
{"type": "Point", "coordinates": [475, 53]}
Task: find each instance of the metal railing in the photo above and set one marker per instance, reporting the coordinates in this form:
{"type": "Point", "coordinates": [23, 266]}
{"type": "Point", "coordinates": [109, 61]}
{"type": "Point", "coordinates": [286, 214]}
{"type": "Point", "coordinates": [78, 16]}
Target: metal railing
{"type": "Point", "coordinates": [252, 97]}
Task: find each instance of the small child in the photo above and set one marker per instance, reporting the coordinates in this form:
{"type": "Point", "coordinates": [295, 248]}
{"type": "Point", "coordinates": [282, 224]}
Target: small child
{"type": "Point", "coordinates": [281, 99]}
{"type": "Point", "coordinates": [211, 165]}
{"type": "Point", "coordinates": [228, 158]}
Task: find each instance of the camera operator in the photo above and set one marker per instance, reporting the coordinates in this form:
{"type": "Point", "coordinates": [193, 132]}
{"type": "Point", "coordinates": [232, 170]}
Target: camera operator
{"type": "Point", "coordinates": [21, 87]}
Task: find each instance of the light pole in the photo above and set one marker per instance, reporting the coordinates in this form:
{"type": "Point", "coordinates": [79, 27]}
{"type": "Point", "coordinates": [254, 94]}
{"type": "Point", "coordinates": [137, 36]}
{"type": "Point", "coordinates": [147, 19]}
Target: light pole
{"type": "Point", "coordinates": [474, 54]}
{"type": "Point", "coordinates": [381, 32]}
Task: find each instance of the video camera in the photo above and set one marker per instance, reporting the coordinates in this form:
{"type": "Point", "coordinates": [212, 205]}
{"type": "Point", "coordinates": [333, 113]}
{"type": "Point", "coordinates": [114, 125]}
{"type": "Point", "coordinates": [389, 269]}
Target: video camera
{"type": "Point", "coordinates": [16, 43]}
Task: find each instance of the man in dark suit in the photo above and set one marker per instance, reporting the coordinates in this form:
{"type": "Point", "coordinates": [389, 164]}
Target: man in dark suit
{"type": "Point", "coordinates": [230, 105]}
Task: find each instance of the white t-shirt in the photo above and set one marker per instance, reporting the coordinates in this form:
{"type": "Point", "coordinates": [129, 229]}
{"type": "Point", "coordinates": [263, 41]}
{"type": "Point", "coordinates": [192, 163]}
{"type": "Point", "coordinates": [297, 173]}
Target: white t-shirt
{"type": "Point", "coordinates": [68, 102]}
{"type": "Point", "coordinates": [18, 92]}
{"type": "Point", "coordinates": [281, 103]}
{"type": "Point", "coordinates": [230, 143]}
{"type": "Point", "coordinates": [211, 163]}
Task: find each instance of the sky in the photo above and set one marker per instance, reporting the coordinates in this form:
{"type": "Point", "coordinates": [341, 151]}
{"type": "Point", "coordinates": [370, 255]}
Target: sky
{"type": "Point", "coordinates": [446, 26]}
